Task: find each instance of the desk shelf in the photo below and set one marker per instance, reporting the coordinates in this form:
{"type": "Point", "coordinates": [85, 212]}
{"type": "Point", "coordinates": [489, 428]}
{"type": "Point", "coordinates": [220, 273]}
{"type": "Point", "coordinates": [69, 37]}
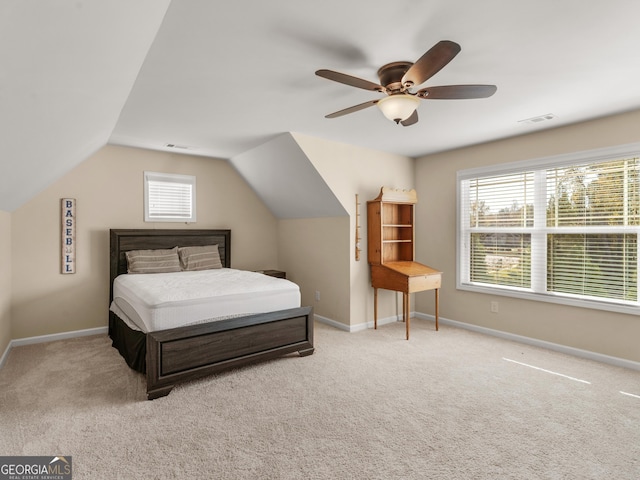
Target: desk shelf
{"type": "Point", "coordinates": [391, 250]}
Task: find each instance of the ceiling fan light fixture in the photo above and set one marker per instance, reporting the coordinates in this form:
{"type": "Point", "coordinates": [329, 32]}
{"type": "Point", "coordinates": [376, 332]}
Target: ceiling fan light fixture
{"type": "Point", "coordinates": [399, 107]}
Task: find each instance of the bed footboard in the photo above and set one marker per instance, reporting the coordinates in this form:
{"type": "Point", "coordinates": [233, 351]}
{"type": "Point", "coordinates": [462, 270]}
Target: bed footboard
{"type": "Point", "coordinates": [192, 352]}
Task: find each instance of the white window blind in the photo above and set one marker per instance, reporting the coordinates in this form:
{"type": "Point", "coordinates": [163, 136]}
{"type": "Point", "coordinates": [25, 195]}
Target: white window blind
{"type": "Point", "coordinates": [590, 250]}
{"type": "Point", "coordinates": [499, 212]}
{"type": "Point", "coordinates": [559, 230]}
{"type": "Point", "coordinates": [169, 197]}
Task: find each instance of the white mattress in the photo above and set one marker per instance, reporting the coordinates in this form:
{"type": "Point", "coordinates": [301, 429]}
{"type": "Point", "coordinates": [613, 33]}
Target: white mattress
{"type": "Point", "coordinates": [152, 302]}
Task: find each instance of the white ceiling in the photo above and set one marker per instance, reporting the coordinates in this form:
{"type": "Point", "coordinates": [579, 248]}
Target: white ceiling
{"type": "Point", "coordinates": [221, 78]}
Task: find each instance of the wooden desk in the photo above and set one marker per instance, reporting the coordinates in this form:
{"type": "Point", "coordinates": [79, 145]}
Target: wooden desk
{"type": "Point", "coordinates": [406, 277]}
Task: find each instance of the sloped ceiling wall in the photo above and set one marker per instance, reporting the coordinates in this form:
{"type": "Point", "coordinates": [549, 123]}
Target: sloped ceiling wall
{"type": "Point", "coordinates": [68, 69]}
{"type": "Point", "coordinates": [270, 168]}
{"type": "Point", "coordinates": [64, 80]}
{"type": "Point", "coordinates": [220, 79]}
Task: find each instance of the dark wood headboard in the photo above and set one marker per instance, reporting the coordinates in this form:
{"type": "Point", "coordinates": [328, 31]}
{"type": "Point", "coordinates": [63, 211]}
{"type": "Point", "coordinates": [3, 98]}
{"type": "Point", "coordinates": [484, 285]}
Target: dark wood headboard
{"type": "Point", "coordinates": [123, 240]}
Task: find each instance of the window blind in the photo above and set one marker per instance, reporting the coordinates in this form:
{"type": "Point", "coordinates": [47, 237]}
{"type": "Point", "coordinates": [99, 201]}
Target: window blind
{"type": "Point", "coordinates": [597, 265]}
{"type": "Point", "coordinates": [169, 197]}
{"type": "Point", "coordinates": [593, 256]}
{"type": "Point", "coordinates": [498, 207]}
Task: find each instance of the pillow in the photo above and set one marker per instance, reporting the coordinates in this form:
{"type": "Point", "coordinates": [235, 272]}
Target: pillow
{"type": "Point", "coordinates": [206, 257]}
{"type": "Point", "coordinates": [153, 261]}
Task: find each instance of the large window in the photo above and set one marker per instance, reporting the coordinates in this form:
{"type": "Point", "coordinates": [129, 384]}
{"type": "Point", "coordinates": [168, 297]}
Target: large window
{"type": "Point", "coordinates": [561, 229]}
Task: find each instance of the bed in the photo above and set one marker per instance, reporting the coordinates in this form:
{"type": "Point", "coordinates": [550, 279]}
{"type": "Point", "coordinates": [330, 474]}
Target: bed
{"type": "Point", "coordinates": [174, 355]}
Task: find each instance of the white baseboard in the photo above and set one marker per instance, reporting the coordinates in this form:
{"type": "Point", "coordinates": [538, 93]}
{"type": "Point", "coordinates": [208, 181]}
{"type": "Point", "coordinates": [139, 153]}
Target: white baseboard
{"type": "Point", "coordinates": [333, 323]}
{"type": "Point", "coordinates": [50, 338]}
{"type": "Point", "coordinates": [355, 328]}
{"type": "Point", "coordinates": [576, 352]}
{"type": "Point", "coordinates": [5, 355]}
{"type": "Point", "coordinates": [59, 336]}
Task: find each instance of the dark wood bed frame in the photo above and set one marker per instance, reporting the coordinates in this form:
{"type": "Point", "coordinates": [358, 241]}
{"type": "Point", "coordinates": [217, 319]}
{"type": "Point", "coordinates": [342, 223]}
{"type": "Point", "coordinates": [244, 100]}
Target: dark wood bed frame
{"type": "Point", "coordinates": [168, 357]}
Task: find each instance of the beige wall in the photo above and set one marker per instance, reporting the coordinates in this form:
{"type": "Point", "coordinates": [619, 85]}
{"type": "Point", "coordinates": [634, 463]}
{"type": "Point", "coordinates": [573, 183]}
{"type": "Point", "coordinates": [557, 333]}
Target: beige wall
{"type": "Point", "coordinates": [351, 170]}
{"type": "Point", "coordinates": [314, 253]}
{"type": "Point", "coordinates": [5, 280]}
{"type": "Point", "coordinates": [108, 188]}
{"type": "Point", "coordinates": [599, 331]}
{"type": "Point", "coordinates": [318, 254]}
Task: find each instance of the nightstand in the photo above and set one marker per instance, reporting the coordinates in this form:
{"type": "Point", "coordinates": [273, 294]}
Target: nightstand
{"type": "Point", "coordinates": [274, 273]}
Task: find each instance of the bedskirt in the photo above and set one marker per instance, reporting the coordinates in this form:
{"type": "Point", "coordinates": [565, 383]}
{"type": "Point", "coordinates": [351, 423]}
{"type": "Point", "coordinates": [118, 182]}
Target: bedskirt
{"type": "Point", "coordinates": [132, 344]}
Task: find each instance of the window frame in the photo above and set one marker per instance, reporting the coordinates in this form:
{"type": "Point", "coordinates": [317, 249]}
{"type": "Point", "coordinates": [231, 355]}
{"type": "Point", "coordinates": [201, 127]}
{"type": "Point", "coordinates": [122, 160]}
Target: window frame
{"type": "Point", "coordinates": [537, 292]}
{"type": "Point", "coordinates": [187, 180]}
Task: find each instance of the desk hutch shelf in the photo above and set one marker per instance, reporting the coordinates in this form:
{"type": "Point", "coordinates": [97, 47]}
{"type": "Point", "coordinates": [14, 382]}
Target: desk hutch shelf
{"type": "Point", "coordinates": [391, 250]}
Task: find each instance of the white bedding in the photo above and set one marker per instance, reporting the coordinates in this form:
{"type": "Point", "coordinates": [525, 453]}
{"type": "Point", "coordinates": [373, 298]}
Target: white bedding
{"type": "Point", "coordinates": [151, 302]}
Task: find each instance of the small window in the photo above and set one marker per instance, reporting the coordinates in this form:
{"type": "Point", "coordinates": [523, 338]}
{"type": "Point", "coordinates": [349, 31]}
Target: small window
{"type": "Point", "coordinates": [169, 197]}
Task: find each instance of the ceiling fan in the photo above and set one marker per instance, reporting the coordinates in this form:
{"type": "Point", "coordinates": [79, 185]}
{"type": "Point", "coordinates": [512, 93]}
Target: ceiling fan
{"type": "Point", "coordinates": [398, 78]}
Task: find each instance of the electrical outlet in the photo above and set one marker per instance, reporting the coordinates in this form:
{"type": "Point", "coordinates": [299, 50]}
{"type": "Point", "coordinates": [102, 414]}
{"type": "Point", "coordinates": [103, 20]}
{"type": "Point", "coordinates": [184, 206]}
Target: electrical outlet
{"type": "Point", "coordinates": [317, 296]}
{"type": "Point", "coordinates": [494, 307]}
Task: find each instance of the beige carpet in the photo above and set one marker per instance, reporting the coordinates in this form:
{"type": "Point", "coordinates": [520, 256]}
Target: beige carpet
{"type": "Point", "coordinates": [451, 404]}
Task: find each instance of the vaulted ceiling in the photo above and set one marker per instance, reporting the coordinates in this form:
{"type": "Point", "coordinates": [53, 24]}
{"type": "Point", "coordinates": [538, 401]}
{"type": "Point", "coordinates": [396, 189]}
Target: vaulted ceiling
{"type": "Point", "coordinates": [218, 79]}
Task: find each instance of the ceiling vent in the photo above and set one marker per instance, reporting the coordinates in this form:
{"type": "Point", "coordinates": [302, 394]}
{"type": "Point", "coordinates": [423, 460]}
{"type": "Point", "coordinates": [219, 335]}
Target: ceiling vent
{"type": "Point", "coordinates": [176, 147]}
{"type": "Point", "coordinates": [541, 118]}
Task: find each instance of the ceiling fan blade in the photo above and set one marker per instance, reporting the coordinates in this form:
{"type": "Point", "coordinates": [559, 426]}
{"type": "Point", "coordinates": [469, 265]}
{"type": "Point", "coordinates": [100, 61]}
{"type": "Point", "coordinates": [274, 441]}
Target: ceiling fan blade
{"type": "Point", "coordinates": [355, 108]}
{"type": "Point", "coordinates": [455, 92]}
{"type": "Point", "coordinates": [411, 120]}
{"type": "Point", "coordinates": [349, 80]}
{"type": "Point", "coordinates": [431, 63]}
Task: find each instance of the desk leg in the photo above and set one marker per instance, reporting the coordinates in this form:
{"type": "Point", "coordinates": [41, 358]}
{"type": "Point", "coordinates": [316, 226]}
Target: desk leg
{"type": "Point", "coordinates": [375, 308]}
{"type": "Point", "coordinates": [437, 306]}
{"type": "Point", "coordinates": [407, 311]}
